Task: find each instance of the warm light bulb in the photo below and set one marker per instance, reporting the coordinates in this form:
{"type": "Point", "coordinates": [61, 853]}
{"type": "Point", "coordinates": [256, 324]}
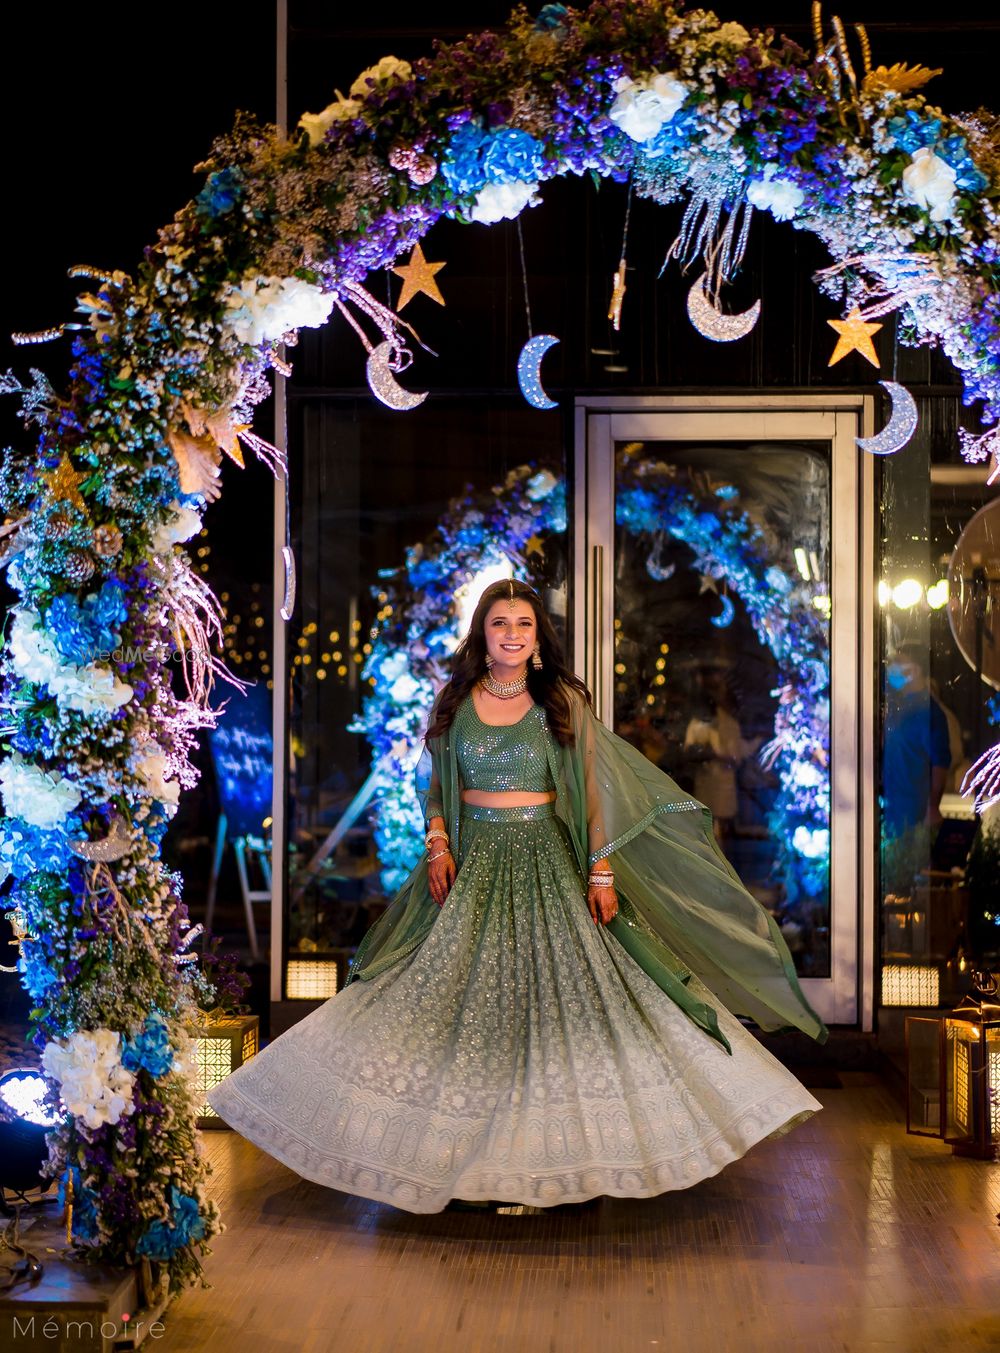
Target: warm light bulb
{"type": "Point", "coordinates": [906, 594]}
{"type": "Point", "coordinates": [884, 593]}
{"type": "Point", "coordinates": [937, 594]}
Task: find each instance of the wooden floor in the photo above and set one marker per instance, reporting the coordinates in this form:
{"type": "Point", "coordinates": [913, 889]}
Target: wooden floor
{"type": "Point", "coordinates": [846, 1235]}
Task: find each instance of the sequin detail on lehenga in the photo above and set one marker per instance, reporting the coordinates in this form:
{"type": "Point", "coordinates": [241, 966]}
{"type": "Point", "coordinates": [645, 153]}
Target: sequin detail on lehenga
{"type": "Point", "coordinates": [519, 1054]}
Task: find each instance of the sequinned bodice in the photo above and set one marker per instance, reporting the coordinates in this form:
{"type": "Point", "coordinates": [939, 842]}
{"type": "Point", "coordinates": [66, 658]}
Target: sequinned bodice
{"type": "Point", "coordinates": [495, 759]}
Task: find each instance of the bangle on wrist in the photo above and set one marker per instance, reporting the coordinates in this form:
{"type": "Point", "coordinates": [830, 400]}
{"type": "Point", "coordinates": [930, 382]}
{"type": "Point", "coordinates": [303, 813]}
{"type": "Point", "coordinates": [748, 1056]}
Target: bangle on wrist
{"type": "Point", "coordinates": [446, 851]}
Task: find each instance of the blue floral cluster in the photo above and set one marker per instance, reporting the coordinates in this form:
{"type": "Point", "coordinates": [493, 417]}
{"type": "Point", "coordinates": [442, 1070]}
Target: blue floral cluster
{"type": "Point", "coordinates": [221, 193]}
{"type": "Point", "coordinates": [88, 633]}
{"type": "Point", "coordinates": [150, 1050]}
{"type": "Point", "coordinates": [728, 544]}
{"type": "Point", "coordinates": [476, 158]}
{"type": "Point", "coordinates": [913, 130]}
{"type": "Point", "coordinates": [162, 1239]}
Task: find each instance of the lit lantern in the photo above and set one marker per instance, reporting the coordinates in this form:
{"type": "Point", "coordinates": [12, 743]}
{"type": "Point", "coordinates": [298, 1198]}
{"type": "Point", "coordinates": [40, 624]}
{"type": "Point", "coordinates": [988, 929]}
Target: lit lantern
{"type": "Point", "coordinates": [224, 1046]}
{"type": "Point", "coordinates": [953, 1073]}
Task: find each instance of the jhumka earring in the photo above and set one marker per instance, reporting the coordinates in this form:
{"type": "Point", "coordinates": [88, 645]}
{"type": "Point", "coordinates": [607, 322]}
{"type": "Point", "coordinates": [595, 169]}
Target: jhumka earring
{"type": "Point", "coordinates": [536, 659]}
{"type": "Point", "coordinates": [489, 660]}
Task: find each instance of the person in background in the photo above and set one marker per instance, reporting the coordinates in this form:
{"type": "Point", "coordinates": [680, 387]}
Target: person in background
{"type": "Point", "coordinates": [717, 745]}
{"type": "Point", "coordinates": [916, 752]}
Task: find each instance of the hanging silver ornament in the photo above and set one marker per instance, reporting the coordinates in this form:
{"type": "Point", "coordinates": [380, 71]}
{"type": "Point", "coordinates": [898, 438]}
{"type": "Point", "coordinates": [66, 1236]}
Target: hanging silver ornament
{"type": "Point", "coordinates": [711, 322]}
{"type": "Point", "coordinates": [901, 425]}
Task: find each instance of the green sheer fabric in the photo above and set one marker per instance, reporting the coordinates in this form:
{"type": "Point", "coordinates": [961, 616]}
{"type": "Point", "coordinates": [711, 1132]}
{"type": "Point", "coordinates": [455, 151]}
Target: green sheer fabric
{"type": "Point", "coordinates": [686, 911]}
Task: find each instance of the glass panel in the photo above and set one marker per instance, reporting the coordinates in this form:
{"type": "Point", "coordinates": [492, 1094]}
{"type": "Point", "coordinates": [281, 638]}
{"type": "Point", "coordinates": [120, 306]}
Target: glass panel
{"type": "Point", "coordinates": [722, 674]}
{"type": "Point", "coordinates": [392, 515]}
{"type": "Point", "coordinates": [923, 1042]}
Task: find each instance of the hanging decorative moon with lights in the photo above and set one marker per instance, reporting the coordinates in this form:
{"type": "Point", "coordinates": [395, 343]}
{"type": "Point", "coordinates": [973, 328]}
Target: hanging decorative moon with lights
{"type": "Point", "coordinates": [384, 385]}
{"type": "Point", "coordinates": [529, 376]}
{"type": "Point", "coordinates": [901, 425]}
{"type": "Point", "coordinates": [725, 616]}
{"type": "Point", "coordinates": [713, 323]}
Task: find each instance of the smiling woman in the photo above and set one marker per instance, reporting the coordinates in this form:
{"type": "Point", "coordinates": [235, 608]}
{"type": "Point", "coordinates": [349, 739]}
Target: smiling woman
{"type": "Point", "coordinates": [499, 1046]}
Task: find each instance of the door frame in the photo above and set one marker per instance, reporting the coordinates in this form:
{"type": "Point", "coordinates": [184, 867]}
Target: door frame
{"type": "Point", "coordinates": [847, 997]}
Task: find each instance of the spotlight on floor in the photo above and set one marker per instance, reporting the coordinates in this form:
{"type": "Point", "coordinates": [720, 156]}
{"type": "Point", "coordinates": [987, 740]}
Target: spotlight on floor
{"type": "Point", "coordinates": [24, 1120]}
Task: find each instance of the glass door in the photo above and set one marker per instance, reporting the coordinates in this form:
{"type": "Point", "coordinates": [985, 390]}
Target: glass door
{"type": "Point", "coordinates": [721, 627]}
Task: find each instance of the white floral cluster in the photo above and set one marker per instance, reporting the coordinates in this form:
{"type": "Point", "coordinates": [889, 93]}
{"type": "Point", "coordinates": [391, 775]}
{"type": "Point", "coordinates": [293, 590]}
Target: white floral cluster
{"type": "Point", "coordinates": [94, 1085]}
{"type": "Point", "coordinates": [41, 798]}
{"type": "Point", "coordinates": [35, 658]}
{"type": "Point", "coordinates": [643, 106]}
{"type": "Point", "coordinates": [181, 525]}
{"type": "Point", "coordinates": [503, 201]}
{"type": "Point", "coordinates": [262, 309]}
{"type": "Point", "coordinates": [771, 192]}
{"type": "Point", "coordinates": [387, 71]}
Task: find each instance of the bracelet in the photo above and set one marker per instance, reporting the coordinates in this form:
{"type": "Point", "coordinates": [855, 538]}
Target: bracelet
{"type": "Point", "coordinates": [434, 834]}
{"type": "Point", "coordinates": [438, 855]}
{"type": "Point", "coordinates": [601, 880]}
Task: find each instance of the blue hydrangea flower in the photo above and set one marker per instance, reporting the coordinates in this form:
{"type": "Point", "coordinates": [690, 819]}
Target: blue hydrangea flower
{"type": "Point", "coordinates": [162, 1239]}
{"type": "Point", "coordinates": [69, 630]}
{"type": "Point", "coordinates": [462, 167]}
{"type": "Point", "coordinates": [512, 156]}
{"type": "Point", "coordinates": [550, 18]}
{"type": "Point", "coordinates": [106, 610]}
{"type": "Point", "coordinates": [221, 192]}
{"type": "Point", "coordinates": [150, 1050]}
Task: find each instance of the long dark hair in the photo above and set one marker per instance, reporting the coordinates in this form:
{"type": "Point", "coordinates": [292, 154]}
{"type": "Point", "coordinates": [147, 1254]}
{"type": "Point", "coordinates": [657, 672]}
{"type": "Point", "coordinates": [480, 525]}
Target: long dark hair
{"type": "Point", "coordinates": [547, 687]}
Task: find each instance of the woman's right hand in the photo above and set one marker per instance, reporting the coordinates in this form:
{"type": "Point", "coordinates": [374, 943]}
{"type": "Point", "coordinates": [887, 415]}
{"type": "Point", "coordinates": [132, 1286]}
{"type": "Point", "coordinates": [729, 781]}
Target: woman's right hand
{"type": "Point", "coordinates": [441, 873]}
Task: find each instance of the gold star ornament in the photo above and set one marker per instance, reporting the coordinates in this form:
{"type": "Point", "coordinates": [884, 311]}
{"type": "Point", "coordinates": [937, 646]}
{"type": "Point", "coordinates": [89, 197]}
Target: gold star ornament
{"type": "Point", "coordinates": [533, 545]}
{"type": "Point", "coordinates": [418, 276]}
{"type": "Point", "coordinates": [64, 483]}
{"type": "Point", "coordinates": [854, 335]}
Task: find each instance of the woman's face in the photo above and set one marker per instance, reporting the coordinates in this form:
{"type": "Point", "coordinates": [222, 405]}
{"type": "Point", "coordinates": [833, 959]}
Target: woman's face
{"type": "Point", "coordinates": [510, 634]}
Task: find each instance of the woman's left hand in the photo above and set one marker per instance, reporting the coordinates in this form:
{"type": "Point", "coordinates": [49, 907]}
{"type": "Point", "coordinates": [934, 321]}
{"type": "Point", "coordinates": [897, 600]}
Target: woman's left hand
{"type": "Point", "coordinates": [602, 903]}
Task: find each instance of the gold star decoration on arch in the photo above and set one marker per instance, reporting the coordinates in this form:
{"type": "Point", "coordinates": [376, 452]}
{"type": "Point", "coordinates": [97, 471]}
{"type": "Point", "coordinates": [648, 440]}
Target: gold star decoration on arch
{"type": "Point", "coordinates": [418, 276]}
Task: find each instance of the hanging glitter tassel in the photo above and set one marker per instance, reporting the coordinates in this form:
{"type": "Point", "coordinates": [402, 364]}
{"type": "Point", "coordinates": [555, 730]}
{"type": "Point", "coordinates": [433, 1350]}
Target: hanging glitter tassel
{"type": "Point", "coordinates": [69, 1205]}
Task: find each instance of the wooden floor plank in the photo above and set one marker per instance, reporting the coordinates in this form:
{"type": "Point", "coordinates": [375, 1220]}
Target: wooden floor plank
{"type": "Point", "coordinates": [844, 1237]}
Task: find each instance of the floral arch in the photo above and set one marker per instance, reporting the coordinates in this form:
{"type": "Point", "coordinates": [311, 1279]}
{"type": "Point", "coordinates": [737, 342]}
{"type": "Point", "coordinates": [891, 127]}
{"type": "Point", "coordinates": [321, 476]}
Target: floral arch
{"type": "Point", "coordinates": [168, 366]}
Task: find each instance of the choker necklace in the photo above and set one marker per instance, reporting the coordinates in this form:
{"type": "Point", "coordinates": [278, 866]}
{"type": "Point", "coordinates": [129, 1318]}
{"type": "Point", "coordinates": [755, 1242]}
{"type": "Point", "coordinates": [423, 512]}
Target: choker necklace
{"type": "Point", "coordinates": [504, 690]}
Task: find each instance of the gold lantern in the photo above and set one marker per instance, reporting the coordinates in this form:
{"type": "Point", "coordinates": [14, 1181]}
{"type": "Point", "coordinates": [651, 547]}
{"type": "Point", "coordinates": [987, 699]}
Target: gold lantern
{"type": "Point", "coordinates": [953, 1073]}
{"type": "Point", "coordinates": [224, 1045]}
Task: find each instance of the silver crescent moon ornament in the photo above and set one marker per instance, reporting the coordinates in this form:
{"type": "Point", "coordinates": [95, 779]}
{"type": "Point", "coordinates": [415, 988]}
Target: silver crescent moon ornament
{"type": "Point", "coordinates": [901, 426]}
{"type": "Point", "coordinates": [529, 376]}
{"type": "Point", "coordinates": [383, 383]}
{"type": "Point", "coordinates": [712, 323]}
{"type": "Point", "coordinates": [725, 616]}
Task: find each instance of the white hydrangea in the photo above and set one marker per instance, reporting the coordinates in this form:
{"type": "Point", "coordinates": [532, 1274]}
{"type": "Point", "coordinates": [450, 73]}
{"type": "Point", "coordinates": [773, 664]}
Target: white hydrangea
{"type": "Point", "coordinates": [389, 70]}
{"type": "Point", "coordinates": [316, 125]}
{"type": "Point", "coordinates": [43, 798]}
{"type": "Point", "coordinates": [929, 181]}
{"type": "Point", "coordinates": [261, 309]}
{"type": "Point", "coordinates": [92, 1081]}
{"type": "Point", "coordinates": [35, 658]}
{"type": "Point", "coordinates": [732, 34]}
{"type": "Point", "coordinates": [779, 196]}
{"type": "Point", "coordinates": [642, 106]}
{"type": "Point", "coordinates": [182, 525]}
{"type": "Point", "coordinates": [504, 201]}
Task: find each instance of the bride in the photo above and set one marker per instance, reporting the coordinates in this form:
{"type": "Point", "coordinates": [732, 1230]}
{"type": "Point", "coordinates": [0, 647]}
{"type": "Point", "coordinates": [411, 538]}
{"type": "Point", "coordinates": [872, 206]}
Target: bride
{"type": "Point", "coordinates": [547, 1010]}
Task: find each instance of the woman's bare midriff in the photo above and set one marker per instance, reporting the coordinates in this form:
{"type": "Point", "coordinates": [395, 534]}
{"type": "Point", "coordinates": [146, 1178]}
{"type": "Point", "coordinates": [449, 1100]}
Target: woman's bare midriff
{"type": "Point", "coordinates": [506, 798]}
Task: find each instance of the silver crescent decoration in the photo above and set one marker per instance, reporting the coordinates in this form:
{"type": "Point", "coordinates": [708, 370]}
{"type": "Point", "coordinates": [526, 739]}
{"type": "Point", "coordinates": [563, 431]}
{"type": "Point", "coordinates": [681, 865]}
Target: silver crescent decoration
{"type": "Point", "coordinates": [384, 385]}
{"type": "Point", "coordinates": [288, 601]}
{"type": "Point", "coordinates": [725, 616]}
{"type": "Point", "coordinates": [529, 376]}
{"type": "Point", "coordinates": [114, 846]}
{"type": "Point", "coordinates": [901, 425]}
{"type": "Point", "coordinates": [713, 323]}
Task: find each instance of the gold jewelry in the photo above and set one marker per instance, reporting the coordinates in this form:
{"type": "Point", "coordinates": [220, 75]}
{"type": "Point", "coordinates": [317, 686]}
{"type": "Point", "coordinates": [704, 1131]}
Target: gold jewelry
{"type": "Point", "coordinates": [434, 832]}
{"type": "Point", "coordinates": [505, 690]}
{"type": "Point", "coordinates": [536, 658]}
{"type": "Point", "coordinates": [438, 855]}
{"type": "Point", "coordinates": [511, 604]}
{"type": "Point", "coordinates": [489, 660]}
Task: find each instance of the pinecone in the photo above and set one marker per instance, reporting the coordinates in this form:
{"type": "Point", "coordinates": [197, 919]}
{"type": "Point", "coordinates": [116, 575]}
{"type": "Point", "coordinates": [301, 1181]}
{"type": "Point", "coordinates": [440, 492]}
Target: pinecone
{"type": "Point", "coordinates": [59, 524]}
{"type": "Point", "coordinates": [107, 540]}
{"type": "Point", "coordinates": [79, 566]}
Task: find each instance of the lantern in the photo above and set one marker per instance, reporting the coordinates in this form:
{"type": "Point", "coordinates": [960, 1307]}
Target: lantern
{"type": "Point", "coordinates": [224, 1045]}
{"type": "Point", "coordinates": [953, 1073]}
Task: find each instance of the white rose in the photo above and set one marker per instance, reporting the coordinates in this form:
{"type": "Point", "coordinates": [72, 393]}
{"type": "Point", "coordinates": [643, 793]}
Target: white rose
{"type": "Point", "coordinates": [182, 525]}
{"type": "Point", "coordinates": [318, 124]}
{"type": "Point", "coordinates": [261, 309]}
{"type": "Point", "coordinates": [777, 195]}
{"type": "Point", "coordinates": [43, 798]}
{"type": "Point", "coordinates": [388, 69]}
{"type": "Point", "coordinates": [504, 201]}
{"type": "Point", "coordinates": [929, 181]}
{"type": "Point", "coordinates": [641, 107]}
{"type": "Point", "coordinates": [734, 34]}
{"type": "Point", "coordinates": [152, 766]}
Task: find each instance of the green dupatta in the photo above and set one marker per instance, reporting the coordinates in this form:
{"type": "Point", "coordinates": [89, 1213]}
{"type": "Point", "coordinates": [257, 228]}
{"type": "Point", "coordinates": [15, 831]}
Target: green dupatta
{"type": "Point", "coordinates": [683, 909]}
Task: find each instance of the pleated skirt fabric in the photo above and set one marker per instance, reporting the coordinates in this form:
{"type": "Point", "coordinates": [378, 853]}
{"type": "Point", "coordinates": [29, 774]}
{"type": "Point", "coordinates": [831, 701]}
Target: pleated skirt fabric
{"type": "Point", "coordinates": [519, 1054]}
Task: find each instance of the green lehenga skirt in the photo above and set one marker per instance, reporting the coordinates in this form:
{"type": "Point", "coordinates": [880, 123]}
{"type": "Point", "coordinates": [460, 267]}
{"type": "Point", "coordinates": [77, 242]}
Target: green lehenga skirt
{"type": "Point", "coordinates": [519, 1053]}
